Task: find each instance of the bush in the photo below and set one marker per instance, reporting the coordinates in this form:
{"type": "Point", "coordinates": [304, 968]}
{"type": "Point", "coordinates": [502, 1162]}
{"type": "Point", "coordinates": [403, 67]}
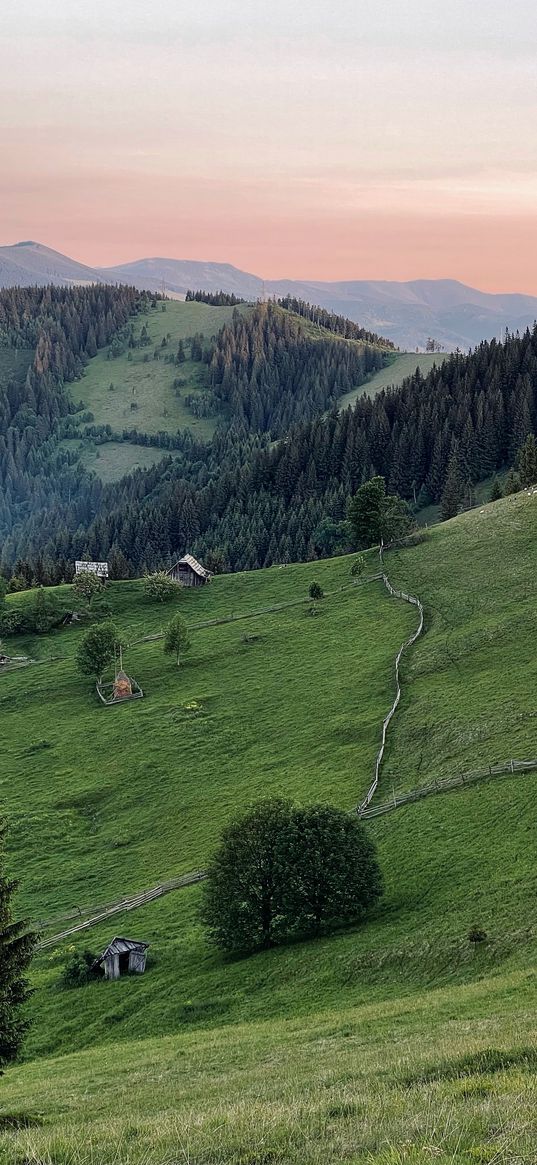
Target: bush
{"type": "Point", "coordinates": [283, 872]}
{"type": "Point", "coordinates": [476, 934]}
{"type": "Point", "coordinates": [160, 588]}
{"type": "Point", "coordinates": [78, 971]}
{"type": "Point", "coordinates": [358, 567]}
{"type": "Point", "coordinates": [316, 591]}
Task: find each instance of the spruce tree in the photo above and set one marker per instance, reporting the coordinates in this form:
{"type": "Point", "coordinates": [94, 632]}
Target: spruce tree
{"type": "Point", "coordinates": [527, 462]}
{"type": "Point", "coordinates": [17, 944]}
{"type": "Point", "coordinates": [496, 491]}
{"type": "Point", "coordinates": [453, 492]}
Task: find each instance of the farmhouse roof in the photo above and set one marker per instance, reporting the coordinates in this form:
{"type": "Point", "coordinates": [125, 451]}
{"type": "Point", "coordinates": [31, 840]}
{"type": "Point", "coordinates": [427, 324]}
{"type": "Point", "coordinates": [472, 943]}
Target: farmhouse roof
{"type": "Point", "coordinates": [189, 560]}
{"type": "Point", "coordinates": [120, 946]}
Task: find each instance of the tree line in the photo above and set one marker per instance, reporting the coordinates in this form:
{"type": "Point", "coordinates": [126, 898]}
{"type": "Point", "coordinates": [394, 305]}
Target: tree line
{"type": "Point", "coordinates": [215, 298]}
{"type": "Point", "coordinates": [332, 322]}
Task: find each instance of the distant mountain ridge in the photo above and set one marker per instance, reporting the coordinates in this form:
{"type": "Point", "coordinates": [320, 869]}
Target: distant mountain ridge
{"type": "Point", "coordinates": [407, 313]}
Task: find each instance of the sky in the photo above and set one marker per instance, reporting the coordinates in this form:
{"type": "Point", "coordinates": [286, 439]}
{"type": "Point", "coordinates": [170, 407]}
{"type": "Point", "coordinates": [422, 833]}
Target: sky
{"type": "Point", "coordinates": [327, 139]}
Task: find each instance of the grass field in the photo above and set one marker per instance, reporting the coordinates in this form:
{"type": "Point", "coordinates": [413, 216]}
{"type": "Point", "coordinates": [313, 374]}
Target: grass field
{"type": "Point", "coordinates": [403, 365]}
{"type": "Point", "coordinates": [400, 1042]}
{"type": "Point", "coordinates": [142, 394]}
{"type": "Point", "coordinates": [114, 459]}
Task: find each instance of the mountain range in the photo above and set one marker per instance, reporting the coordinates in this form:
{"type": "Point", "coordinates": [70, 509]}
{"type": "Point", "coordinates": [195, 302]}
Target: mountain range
{"type": "Point", "coordinates": [406, 313]}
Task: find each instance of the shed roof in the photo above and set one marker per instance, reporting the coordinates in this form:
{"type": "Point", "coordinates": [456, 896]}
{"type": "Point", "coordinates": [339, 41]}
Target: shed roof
{"type": "Point", "coordinates": [120, 946]}
{"type": "Point", "coordinates": [189, 560]}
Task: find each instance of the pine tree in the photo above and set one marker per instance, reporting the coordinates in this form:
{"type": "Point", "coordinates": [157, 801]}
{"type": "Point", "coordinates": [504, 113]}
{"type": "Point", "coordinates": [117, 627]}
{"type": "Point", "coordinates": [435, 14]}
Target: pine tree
{"type": "Point", "coordinates": [527, 462]}
{"type": "Point", "coordinates": [496, 491]}
{"type": "Point", "coordinates": [17, 944]}
{"type": "Point", "coordinates": [453, 492]}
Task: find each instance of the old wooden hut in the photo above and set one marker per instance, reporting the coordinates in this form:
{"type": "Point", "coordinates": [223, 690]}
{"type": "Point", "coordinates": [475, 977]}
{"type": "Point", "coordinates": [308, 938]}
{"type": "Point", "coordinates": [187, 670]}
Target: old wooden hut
{"type": "Point", "coordinates": [123, 956]}
{"type": "Point", "coordinates": [188, 571]}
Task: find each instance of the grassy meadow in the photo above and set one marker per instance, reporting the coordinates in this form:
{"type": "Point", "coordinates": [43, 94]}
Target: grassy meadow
{"type": "Point", "coordinates": [397, 1042]}
{"type": "Point", "coordinates": [402, 365]}
{"type": "Point", "coordinates": [112, 460]}
{"type": "Point", "coordinates": [142, 394]}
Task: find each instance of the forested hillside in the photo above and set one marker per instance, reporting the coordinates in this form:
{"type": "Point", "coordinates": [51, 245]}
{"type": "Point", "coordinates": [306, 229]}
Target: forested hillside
{"type": "Point", "coordinates": [273, 482]}
{"type": "Point", "coordinates": [270, 374]}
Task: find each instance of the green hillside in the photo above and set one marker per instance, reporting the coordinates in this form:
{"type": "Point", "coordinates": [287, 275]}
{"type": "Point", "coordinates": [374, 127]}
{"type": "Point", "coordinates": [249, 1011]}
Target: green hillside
{"type": "Point", "coordinates": [403, 364]}
{"type": "Point", "coordinates": [137, 391]}
{"type": "Point", "coordinates": [143, 395]}
{"type": "Point", "coordinates": [397, 1042]}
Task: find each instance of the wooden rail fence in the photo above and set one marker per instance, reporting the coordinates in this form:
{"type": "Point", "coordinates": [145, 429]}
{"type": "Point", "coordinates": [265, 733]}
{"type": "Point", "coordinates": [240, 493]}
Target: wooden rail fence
{"type": "Point", "coordinates": [404, 647]}
{"type": "Point", "coordinates": [124, 904]}
{"type": "Point", "coordinates": [508, 768]}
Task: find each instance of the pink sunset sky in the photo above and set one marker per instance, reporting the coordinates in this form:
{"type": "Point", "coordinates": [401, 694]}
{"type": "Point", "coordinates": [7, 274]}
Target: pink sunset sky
{"type": "Point", "coordinates": [306, 140]}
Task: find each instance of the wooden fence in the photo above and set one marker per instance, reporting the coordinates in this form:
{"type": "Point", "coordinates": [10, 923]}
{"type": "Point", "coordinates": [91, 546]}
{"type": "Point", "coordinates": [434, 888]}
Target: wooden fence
{"type": "Point", "coordinates": [386, 722]}
{"type": "Point", "coordinates": [508, 768]}
{"type": "Point", "coordinates": [123, 904]}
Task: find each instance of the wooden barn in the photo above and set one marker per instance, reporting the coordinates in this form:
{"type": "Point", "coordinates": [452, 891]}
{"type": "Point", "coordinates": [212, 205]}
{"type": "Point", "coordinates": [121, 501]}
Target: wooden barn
{"type": "Point", "coordinates": [123, 956]}
{"type": "Point", "coordinates": [189, 572]}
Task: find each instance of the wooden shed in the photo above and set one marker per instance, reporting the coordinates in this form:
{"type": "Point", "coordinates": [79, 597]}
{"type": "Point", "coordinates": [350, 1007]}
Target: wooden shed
{"type": "Point", "coordinates": [188, 571]}
{"type": "Point", "coordinates": [123, 956]}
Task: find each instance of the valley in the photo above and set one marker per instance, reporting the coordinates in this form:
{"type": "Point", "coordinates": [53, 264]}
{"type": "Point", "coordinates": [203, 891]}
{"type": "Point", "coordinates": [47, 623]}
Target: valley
{"type": "Point", "coordinates": [126, 796]}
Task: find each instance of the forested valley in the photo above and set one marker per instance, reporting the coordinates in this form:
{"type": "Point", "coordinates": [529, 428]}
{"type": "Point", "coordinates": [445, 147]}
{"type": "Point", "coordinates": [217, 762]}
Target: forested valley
{"type": "Point", "coordinates": [273, 483]}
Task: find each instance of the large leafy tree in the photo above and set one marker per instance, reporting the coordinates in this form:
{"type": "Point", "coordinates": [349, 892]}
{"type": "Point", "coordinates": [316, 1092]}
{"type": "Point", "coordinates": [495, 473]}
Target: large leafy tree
{"type": "Point", "coordinates": [281, 871]}
{"type": "Point", "coordinates": [333, 875]}
{"type": "Point", "coordinates": [17, 945]}
{"type": "Point", "coordinates": [97, 649]}
{"type": "Point", "coordinates": [376, 516]}
{"type": "Point", "coordinates": [243, 894]}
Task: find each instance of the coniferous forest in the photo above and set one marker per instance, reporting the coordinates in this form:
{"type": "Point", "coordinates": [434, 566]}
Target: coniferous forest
{"type": "Point", "coordinates": [273, 483]}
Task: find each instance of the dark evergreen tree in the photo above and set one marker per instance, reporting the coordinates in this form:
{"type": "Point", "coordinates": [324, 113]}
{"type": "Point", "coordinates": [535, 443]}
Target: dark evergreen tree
{"type": "Point", "coordinates": [527, 462]}
{"type": "Point", "coordinates": [17, 945]}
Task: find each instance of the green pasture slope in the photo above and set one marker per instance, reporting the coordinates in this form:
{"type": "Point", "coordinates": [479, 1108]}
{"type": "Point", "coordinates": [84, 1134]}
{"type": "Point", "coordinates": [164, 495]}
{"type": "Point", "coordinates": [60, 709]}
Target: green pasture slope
{"type": "Point", "coordinates": [400, 1042]}
{"type": "Point", "coordinates": [149, 384]}
{"type": "Point", "coordinates": [403, 364]}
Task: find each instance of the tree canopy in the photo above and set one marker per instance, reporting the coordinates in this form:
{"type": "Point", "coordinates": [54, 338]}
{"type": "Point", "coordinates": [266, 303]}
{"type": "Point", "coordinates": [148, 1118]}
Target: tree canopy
{"type": "Point", "coordinates": [375, 516]}
{"type": "Point", "coordinates": [97, 649]}
{"type": "Point", "coordinates": [282, 872]}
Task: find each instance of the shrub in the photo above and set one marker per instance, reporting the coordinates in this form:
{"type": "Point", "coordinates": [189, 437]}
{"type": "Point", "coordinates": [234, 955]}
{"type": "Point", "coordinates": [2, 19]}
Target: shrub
{"type": "Point", "coordinates": [316, 591]}
{"type": "Point", "coordinates": [160, 588]}
{"type": "Point", "coordinates": [476, 934]}
{"type": "Point", "coordinates": [78, 970]}
{"type": "Point", "coordinates": [358, 567]}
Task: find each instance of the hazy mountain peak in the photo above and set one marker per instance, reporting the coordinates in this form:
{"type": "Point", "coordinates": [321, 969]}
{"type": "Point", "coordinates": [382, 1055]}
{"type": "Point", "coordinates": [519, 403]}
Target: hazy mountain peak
{"type": "Point", "coordinates": [406, 312]}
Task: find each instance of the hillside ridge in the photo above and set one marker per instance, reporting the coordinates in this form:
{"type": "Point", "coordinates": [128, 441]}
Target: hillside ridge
{"type": "Point", "coordinates": [455, 314]}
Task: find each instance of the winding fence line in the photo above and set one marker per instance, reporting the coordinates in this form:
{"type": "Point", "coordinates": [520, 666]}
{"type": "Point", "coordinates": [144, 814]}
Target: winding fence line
{"type": "Point", "coordinates": [404, 647]}
{"type": "Point", "coordinates": [124, 904]}
{"type": "Point", "coordinates": [97, 914]}
{"type": "Point", "coordinates": [507, 769]}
